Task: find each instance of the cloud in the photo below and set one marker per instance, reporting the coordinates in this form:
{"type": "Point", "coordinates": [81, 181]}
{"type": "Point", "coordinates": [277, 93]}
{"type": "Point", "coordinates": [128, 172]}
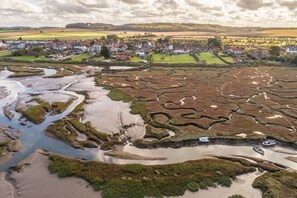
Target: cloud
{"type": "Point", "coordinates": [223, 12]}
{"type": "Point", "coordinates": [251, 4]}
{"type": "Point", "coordinates": [291, 5]}
{"type": "Point", "coordinates": [131, 2]}
{"type": "Point", "coordinates": [203, 6]}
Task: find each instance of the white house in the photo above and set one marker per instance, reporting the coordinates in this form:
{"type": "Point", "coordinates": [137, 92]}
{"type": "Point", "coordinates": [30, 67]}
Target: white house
{"type": "Point", "coordinates": [95, 48]}
{"type": "Point", "coordinates": [292, 49]}
{"type": "Point", "coordinates": [21, 46]}
{"type": "Point", "coordinates": [79, 47]}
{"type": "Point", "coordinates": [140, 54]}
{"type": "Point", "coordinates": [234, 51]}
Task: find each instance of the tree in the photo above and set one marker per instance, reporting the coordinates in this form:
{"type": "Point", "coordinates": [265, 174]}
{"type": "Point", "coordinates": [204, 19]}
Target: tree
{"type": "Point", "coordinates": [274, 51]}
{"type": "Point", "coordinates": [214, 42]}
{"type": "Point", "coordinates": [113, 37]}
{"type": "Point", "coordinates": [105, 52]}
{"type": "Point", "coordinates": [294, 60]}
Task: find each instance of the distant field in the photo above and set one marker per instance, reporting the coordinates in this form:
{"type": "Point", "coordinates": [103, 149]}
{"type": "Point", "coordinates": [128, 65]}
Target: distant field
{"type": "Point", "coordinates": [77, 34]}
{"type": "Point", "coordinates": [59, 33]}
{"type": "Point", "coordinates": [280, 32]}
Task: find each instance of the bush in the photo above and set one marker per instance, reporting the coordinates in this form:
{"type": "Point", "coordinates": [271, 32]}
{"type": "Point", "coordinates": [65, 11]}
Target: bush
{"type": "Point", "coordinates": [236, 196]}
{"type": "Point", "coordinates": [193, 186]}
{"type": "Point", "coordinates": [133, 168]}
{"type": "Point", "coordinates": [225, 181]}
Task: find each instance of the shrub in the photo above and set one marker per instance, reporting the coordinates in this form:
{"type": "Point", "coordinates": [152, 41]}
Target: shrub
{"type": "Point", "coordinates": [225, 181]}
{"type": "Point", "coordinates": [236, 196]}
{"type": "Point", "coordinates": [193, 186]}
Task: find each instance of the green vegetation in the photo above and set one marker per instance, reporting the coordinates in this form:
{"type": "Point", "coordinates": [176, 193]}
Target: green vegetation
{"type": "Point", "coordinates": [227, 58]}
{"type": "Point", "coordinates": [105, 52]}
{"type": "Point", "coordinates": [152, 132]}
{"type": "Point", "coordinates": [27, 58]}
{"type": "Point", "coordinates": [210, 58]}
{"type": "Point", "coordinates": [136, 59]}
{"type": "Point", "coordinates": [136, 181]}
{"type": "Point", "coordinates": [278, 184]}
{"type": "Point", "coordinates": [174, 59]}
{"type": "Point", "coordinates": [118, 95]}
{"type": "Point", "coordinates": [36, 114]}
{"type": "Point", "coordinates": [236, 196]}
{"type": "Point", "coordinates": [79, 58]}
{"type": "Point", "coordinates": [193, 186]}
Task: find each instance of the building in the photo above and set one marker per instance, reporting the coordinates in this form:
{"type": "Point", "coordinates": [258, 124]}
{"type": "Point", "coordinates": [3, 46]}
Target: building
{"type": "Point", "coordinates": [291, 49]}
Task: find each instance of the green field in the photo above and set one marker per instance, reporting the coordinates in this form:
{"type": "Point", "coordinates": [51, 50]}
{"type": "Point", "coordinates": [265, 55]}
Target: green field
{"type": "Point", "coordinates": [210, 58]}
{"type": "Point", "coordinates": [227, 58]}
{"type": "Point", "coordinates": [136, 59]}
{"type": "Point", "coordinates": [79, 58]}
{"type": "Point", "coordinates": [206, 57]}
{"type": "Point", "coordinates": [27, 58]}
{"type": "Point", "coordinates": [174, 59]}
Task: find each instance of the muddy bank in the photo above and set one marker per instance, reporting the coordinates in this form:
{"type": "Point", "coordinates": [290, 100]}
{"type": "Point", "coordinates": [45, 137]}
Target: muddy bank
{"type": "Point", "coordinates": [9, 143]}
{"type": "Point", "coordinates": [106, 115]}
{"type": "Point", "coordinates": [35, 181]}
{"type": "Point", "coordinates": [119, 154]}
{"type": "Point", "coordinates": [293, 159]}
{"type": "Point", "coordinates": [171, 143]}
{"type": "Point", "coordinates": [6, 189]}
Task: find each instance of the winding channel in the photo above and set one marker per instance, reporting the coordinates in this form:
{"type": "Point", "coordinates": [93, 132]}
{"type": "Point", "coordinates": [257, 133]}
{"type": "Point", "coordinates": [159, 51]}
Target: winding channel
{"type": "Point", "coordinates": [33, 138]}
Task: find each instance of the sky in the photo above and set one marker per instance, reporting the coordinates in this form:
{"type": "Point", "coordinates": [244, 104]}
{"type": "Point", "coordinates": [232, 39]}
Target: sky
{"type": "Point", "coordinates": [58, 13]}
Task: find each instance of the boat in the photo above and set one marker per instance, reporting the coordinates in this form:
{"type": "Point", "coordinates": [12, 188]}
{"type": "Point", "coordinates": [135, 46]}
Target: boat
{"type": "Point", "coordinates": [258, 149]}
{"type": "Point", "coordinates": [204, 139]}
{"type": "Point", "coordinates": [269, 143]}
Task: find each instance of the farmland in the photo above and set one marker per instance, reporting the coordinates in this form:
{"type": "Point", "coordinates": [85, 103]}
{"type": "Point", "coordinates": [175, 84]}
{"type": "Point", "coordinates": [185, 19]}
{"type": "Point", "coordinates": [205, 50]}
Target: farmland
{"type": "Point", "coordinates": [194, 102]}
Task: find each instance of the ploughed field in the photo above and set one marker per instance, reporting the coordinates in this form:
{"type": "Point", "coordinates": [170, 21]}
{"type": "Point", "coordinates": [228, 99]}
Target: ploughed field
{"type": "Point", "coordinates": [244, 102]}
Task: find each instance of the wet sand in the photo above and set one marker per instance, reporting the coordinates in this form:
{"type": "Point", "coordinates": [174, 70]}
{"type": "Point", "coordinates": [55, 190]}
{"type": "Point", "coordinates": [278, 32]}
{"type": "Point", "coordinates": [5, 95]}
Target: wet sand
{"type": "Point", "coordinates": [35, 181]}
{"type": "Point", "coordinates": [293, 159]}
{"type": "Point", "coordinates": [100, 110]}
{"type": "Point", "coordinates": [6, 189]}
{"type": "Point", "coordinates": [3, 92]}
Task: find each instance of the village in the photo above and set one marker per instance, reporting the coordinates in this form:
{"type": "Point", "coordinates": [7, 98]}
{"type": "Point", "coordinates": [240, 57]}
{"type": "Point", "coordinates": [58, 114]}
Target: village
{"type": "Point", "coordinates": [148, 49]}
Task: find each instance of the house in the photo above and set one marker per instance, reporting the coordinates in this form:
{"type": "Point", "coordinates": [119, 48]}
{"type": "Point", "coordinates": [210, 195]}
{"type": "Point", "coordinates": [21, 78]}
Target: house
{"type": "Point", "coordinates": [140, 54]}
{"type": "Point", "coordinates": [180, 51]}
{"type": "Point", "coordinates": [21, 46]}
{"type": "Point", "coordinates": [96, 48]}
{"type": "Point", "coordinates": [59, 47]}
{"type": "Point", "coordinates": [122, 57]}
{"type": "Point", "coordinates": [79, 46]}
{"type": "Point", "coordinates": [291, 49]}
{"type": "Point", "coordinates": [234, 51]}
